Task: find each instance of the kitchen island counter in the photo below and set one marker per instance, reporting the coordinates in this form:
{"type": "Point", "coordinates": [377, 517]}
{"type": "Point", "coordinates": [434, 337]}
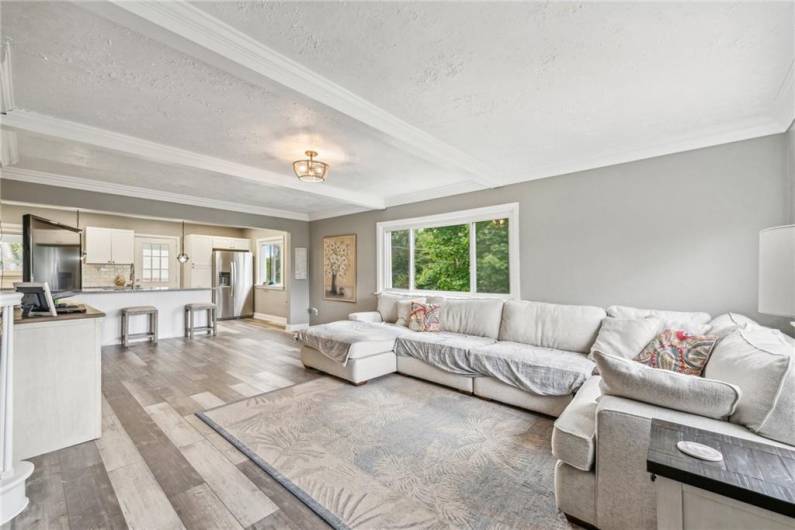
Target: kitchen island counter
{"type": "Point", "coordinates": [113, 290]}
{"type": "Point", "coordinates": [170, 304]}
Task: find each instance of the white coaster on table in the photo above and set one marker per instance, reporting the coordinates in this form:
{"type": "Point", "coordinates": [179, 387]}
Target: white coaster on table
{"type": "Point", "coordinates": [700, 451]}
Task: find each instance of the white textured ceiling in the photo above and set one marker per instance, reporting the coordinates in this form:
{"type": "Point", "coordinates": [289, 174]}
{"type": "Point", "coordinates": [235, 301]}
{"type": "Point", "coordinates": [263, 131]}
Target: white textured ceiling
{"type": "Point", "coordinates": [526, 89]}
{"type": "Point", "coordinates": [55, 156]}
{"type": "Point", "coordinates": [528, 85]}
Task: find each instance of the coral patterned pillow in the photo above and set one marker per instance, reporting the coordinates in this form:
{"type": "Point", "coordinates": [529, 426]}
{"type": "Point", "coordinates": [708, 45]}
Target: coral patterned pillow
{"type": "Point", "coordinates": [424, 317]}
{"type": "Point", "coordinates": [678, 351]}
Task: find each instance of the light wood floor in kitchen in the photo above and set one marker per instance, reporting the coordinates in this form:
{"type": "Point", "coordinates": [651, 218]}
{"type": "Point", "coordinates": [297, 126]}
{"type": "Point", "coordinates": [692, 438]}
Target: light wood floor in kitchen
{"type": "Point", "coordinates": [159, 466]}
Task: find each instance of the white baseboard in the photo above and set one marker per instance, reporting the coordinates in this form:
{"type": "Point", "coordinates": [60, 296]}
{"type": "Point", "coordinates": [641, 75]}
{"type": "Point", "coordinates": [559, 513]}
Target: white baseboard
{"type": "Point", "coordinates": [273, 319]}
{"type": "Point", "coordinates": [295, 327]}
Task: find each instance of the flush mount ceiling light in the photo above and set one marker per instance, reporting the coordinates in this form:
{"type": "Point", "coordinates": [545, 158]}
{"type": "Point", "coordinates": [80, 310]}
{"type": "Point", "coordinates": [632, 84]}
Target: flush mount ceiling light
{"type": "Point", "coordinates": [310, 170]}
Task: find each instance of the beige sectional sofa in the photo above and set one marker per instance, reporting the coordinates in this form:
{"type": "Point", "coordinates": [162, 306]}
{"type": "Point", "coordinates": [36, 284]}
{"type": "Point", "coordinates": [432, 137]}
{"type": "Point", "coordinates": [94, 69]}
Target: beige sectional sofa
{"type": "Point", "coordinates": [535, 356]}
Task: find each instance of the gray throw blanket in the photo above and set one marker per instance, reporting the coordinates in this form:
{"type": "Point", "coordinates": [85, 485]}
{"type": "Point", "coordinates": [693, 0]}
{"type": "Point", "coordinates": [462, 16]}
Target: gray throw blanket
{"type": "Point", "coordinates": [541, 371]}
{"type": "Point", "coordinates": [334, 340]}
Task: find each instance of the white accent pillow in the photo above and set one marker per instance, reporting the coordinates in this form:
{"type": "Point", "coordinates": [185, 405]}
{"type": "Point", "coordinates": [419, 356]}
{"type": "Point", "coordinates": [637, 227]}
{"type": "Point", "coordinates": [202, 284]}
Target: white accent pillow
{"type": "Point", "coordinates": [761, 361]}
{"type": "Point", "coordinates": [387, 305]}
{"type": "Point", "coordinates": [404, 309]}
{"type": "Point", "coordinates": [694, 323]}
{"type": "Point", "coordinates": [723, 325]}
{"type": "Point", "coordinates": [663, 388]}
{"type": "Point", "coordinates": [625, 337]}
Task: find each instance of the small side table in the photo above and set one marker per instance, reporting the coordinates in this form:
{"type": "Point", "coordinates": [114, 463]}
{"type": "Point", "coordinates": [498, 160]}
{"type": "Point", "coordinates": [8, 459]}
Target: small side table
{"type": "Point", "coordinates": [752, 487]}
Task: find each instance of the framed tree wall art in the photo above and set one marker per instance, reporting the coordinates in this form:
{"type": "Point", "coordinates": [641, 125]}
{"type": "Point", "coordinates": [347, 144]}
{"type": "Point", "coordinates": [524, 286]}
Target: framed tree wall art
{"type": "Point", "coordinates": [339, 268]}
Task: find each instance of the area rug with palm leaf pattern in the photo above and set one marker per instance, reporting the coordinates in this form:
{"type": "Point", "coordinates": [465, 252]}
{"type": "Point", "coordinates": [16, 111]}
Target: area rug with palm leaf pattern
{"type": "Point", "coordinates": [399, 453]}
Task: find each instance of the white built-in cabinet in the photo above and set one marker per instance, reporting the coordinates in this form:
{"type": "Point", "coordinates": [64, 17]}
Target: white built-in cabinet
{"type": "Point", "coordinates": [198, 271]}
{"type": "Point", "coordinates": [231, 243]}
{"type": "Point", "coordinates": [109, 245]}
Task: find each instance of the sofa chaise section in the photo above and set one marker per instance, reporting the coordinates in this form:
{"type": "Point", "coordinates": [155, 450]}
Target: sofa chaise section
{"type": "Point", "coordinates": [352, 350]}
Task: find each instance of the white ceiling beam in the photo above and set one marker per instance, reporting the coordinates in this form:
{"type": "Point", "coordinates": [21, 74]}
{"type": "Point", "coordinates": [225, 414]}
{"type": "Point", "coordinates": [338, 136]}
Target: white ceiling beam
{"type": "Point", "coordinates": [145, 149]}
{"type": "Point", "coordinates": [215, 42]}
{"type": "Point", "coordinates": [98, 186]}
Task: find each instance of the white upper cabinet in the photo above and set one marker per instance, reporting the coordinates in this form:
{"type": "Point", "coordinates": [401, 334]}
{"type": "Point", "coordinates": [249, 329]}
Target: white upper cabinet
{"type": "Point", "coordinates": [231, 243]}
{"type": "Point", "coordinates": [109, 245]}
{"type": "Point", "coordinates": [122, 246]}
{"type": "Point", "coordinates": [98, 241]}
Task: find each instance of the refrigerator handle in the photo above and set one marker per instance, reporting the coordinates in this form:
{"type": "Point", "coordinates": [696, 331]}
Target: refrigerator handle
{"type": "Point", "coordinates": [234, 278]}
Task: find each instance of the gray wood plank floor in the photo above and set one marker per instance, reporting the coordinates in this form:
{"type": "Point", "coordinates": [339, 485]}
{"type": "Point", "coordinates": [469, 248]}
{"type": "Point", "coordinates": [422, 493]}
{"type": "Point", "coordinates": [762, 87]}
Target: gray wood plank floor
{"type": "Point", "coordinates": [157, 465]}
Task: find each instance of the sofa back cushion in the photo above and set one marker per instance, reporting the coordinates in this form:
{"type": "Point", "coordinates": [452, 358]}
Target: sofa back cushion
{"type": "Point", "coordinates": [625, 337]}
{"type": "Point", "coordinates": [562, 327]}
{"type": "Point", "coordinates": [388, 305]}
{"type": "Point", "coordinates": [688, 393]}
{"type": "Point", "coordinates": [692, 322]}
{"type": "Point", "coordinates": [472, 316]}
{"type": "Point", "coordinates": [725, 324]}
{"type": "Point", "coordinates": [761, 361]}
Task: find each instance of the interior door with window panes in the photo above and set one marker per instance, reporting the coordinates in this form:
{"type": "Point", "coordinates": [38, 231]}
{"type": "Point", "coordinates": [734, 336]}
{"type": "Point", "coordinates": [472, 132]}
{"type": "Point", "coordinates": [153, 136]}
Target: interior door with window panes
{"type": "Point", "coordinates": [156, 262]}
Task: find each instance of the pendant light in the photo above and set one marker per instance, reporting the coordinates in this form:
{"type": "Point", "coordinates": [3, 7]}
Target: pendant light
{"type": "Point", "coordinates": [82, 250]}
{"type": "Point", "coordinates": [182, 257]}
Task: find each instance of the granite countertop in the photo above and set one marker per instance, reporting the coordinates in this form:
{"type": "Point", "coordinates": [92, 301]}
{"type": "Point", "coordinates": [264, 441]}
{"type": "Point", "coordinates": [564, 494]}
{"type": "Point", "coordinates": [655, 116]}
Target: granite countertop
{"type": "Point", "coordinates": [103, 290]}
{"type": "Point", "coordinates": [91, 312]}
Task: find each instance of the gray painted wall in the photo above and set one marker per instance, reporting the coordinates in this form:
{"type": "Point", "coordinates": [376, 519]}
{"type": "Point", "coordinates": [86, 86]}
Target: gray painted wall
{"type": "Point", "coordinates": [673, 232]}
{"type": "Point", "coordinates": [11, 190]}
{"type": "Point", "coordinates": [791, 171]}
{"type": "Point", "coordinates": [273, 302]}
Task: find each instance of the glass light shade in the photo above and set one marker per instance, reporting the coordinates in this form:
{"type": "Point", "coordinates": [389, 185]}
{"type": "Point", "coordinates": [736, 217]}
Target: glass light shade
{"type": "Point", "coordinates": [182, 257]}
{"type": "Point", "coordinates": [310, 170]}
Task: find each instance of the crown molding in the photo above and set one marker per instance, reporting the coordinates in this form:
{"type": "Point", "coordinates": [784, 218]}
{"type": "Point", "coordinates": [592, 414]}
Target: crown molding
{"type": "Point", "coordinates": [145, 149]}
{"type": "Point", "coordinates": [433, 193]}
{"type": "Point", "coordinates": [748, 130]}
{"type": "Point", "coordinates": [6, 79]}
{"type": "Point", "coordinates": [213, 41]}
{"type": "Point", "coordinates": [783, 108]}
{"type": "Point", "coordinates": [9, 148]}
{"type": "Point", "coordinates": [83, 184]}
{"type": "Point", "coordinates": [336, 212]}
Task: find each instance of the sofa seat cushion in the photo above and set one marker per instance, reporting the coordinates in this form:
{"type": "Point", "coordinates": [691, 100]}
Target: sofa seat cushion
{"type": "Point", "coordinates": [542, 371]}
{"type": "Point", "coordinates": [562, 327]}
{"type": "Point", "coordinates": [574, 435]}
{"type": "Point", "coordinates": [350, 339]}
{"type": "Point", "coordinates": [444, 350]}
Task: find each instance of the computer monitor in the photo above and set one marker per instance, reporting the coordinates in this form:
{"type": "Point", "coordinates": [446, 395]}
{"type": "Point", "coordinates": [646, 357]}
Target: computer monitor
{"type": "Point", "coordinates": [36, 298]}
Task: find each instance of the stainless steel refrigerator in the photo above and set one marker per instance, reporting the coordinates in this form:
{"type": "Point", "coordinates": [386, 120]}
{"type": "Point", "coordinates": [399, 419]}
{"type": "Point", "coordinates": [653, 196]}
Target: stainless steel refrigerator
{"type": "Point", "coordinates": [233, 283]}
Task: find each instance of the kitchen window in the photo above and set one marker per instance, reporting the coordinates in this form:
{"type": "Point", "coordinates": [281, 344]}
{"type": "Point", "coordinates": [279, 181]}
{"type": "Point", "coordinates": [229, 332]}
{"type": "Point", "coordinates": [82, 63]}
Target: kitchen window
{"type": "Point", "coordinates": [10, 255]}
{"type": "Point", "coordinates": [471, 252]}
{"type": "Point", "coordinates": [271, 262]}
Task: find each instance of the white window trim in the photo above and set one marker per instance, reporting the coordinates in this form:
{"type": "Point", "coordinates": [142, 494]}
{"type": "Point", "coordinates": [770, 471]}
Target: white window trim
{"type": "Point", "coordinates": [16, 230]}
{"type": "Point", "coordinates": [274, 239]}
{"type": "Point", "coordinates": [499, 211]}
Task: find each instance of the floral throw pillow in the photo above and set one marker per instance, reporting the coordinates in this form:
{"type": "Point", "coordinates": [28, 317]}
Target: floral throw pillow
{"type": "Point", "coordinates": [678, 351]}
{"type": "Point", "coordinates": [424, 317]}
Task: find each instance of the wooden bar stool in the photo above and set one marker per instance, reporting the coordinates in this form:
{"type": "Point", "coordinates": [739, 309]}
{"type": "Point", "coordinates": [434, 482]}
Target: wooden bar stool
{"type": "Point", "coordinates": [212, 325]}
{"type": "Point", "coordinates": [151, 329]}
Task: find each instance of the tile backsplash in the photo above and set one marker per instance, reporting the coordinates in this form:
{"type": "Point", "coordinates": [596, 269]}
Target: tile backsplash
{"type": "Point", "coordinates": [102, 275]}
